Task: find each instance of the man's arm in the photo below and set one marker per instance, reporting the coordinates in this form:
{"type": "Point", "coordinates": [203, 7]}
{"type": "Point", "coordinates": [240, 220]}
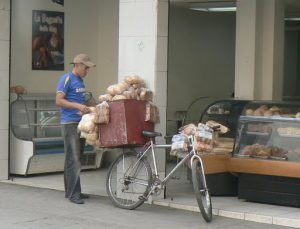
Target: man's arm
{"type": "Point", "coordinates": [62, 102]}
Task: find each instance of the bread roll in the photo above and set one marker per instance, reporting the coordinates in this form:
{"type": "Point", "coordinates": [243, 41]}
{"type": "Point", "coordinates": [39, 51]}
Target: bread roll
{"type": "Point", "coordinates": [275, 108]}
{"type": "Point", "coordinates": [264, 151]}
{"type": "Point", "coordinates": [118, 97]}
{"type": "Point", "coordinates": [106, 97]}
{"type": "Point", "coordinates": [268, 113]}
{"type": "Point", "coordinates": [112, 90]}
{"type": "Point", "coordinates": [263, 107]}
{"type": "Point", "coordinates": [18, 89]}
{"type": "Point", "coordinates": [249, 112]}
{"type": "Point", "coordinates": [129, 80]}
{"type": "Point", "coordinates": [258, 112]}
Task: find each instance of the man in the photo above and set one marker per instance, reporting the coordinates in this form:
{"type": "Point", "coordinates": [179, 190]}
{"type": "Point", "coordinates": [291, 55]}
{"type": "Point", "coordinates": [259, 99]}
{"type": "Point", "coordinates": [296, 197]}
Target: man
{"type": "Point", "coordinates": [70, 96]}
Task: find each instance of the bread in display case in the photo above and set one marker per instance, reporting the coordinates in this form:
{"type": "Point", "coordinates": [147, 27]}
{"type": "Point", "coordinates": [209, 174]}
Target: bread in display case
{"type": "Point", "coordinates": [36, 143]}
{"type": "Point", "coordinates": [269, 130]}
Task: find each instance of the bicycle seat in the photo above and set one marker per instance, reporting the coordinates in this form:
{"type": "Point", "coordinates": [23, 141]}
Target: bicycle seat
{"type": "Point", "coordinates": [150, 134]}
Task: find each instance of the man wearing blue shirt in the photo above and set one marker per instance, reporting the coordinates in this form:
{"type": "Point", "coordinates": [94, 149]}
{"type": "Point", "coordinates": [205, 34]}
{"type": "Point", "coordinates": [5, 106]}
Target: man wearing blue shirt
{"type": "Point", "coordinates": [70, 96]}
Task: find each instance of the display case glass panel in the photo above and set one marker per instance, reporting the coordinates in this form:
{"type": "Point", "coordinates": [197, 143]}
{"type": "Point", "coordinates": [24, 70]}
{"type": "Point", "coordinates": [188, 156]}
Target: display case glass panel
{"type": "Point", "coordinates": [35, 116]}
{"type": "Point", "coordinates": [225, 112]}
{"type": "Point", "coordinates": [269, 130]}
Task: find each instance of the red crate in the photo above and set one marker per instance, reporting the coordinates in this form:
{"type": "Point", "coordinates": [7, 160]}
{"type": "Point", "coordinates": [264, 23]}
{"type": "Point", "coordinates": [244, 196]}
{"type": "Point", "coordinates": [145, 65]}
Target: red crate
{"type": "Point", "coordinates": [127, 121]}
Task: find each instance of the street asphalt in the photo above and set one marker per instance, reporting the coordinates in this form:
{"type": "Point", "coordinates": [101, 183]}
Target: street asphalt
{"type": "Point", "coordinates": [23, 207]}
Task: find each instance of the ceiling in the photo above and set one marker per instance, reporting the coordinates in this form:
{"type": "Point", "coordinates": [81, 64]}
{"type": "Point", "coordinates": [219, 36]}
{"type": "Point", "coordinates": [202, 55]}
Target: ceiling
{"type": "Point", "coordinates": [292, 7]}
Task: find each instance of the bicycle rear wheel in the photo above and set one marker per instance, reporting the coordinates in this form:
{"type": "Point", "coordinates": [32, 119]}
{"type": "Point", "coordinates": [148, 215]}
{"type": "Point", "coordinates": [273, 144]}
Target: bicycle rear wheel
{"type": "Point", "coordinates": [128, 181]}
{"type": "Point", "coordinates": [201, 192]}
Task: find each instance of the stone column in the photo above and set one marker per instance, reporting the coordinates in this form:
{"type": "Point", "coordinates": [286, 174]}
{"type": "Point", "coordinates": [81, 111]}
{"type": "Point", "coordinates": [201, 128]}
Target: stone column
{"type": "Point", "coordinates": [4, 85]}
{"type": "Point", "coordinates": [143, 38]}
{"type": "Point", "coordinates": [259, 49]}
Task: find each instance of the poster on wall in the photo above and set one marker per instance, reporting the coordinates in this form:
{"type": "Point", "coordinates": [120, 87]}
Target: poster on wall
{"type": "Point", "coordinates": [47, 40]}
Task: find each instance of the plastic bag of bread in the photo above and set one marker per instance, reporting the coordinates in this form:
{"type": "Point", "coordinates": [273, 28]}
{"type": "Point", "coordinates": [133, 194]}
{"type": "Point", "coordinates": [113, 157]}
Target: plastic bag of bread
{"type": "Point", "coordinates": [102, 113]}
{"type": "Point", "coordinates": [127, 94]}
{"type": "Point", "coordinates": [180, 143]}
{"type": "Point", "coordinates": [136, 85]}
{"type": "Point", "coordinates": [92, 142]}
{"type": "Point", "coordinates": [152, 113]}
{"type": "Point", "coordinates": [87, 123]}
{"type": "Point", "coordinates": [203, 138]}
{"type": "Point", "coordinates": [105, 97]}
{"type": "Point", "coordinates": [138, 91]}
{"type": "Point", "coordinates": [188, 129]}
{"type": "Point", "coordinates": [90, 138]}
{"type": "Point", "coordinates": [134, 79]}
{"type": "Point", "coordinates": [146, 94]}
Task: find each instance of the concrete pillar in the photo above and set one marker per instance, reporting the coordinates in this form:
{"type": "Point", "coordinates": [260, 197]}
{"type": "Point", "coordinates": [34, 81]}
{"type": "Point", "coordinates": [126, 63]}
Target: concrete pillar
{"type": "Point", "coordinates": [245, 49]}
{"type": "Point", "coordinates": [143, 36]}
{"type": "Point", "coordinates": [259, 49]}
{"type": "Point", "coordinates": [4, 85]}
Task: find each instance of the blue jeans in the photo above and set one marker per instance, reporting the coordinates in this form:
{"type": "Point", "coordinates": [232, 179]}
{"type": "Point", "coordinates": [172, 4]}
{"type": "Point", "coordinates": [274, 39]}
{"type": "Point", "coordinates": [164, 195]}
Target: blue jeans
{"type": "Point", "coordinates": [73, 147]}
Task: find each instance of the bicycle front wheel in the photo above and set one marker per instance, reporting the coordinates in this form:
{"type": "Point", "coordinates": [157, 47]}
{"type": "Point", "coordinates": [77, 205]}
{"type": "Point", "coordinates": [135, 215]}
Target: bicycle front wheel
{"type": "Point", "coordinates": [201, 191]}
{"type": "Point", "coordinates": [128, 181]}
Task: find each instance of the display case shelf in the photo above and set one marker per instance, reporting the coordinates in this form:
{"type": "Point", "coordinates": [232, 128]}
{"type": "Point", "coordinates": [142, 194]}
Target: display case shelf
{"type": "Point", "coordinates": [268, 118]}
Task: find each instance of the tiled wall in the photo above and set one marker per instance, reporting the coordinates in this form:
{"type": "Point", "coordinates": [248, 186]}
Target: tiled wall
{"type": "Point", "coordinates": [4, 85]}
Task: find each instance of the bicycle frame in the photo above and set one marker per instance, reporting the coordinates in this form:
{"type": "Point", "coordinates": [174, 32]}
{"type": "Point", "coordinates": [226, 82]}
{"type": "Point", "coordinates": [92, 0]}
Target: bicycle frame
{"type": "Point", "coordinates": [191, 155]}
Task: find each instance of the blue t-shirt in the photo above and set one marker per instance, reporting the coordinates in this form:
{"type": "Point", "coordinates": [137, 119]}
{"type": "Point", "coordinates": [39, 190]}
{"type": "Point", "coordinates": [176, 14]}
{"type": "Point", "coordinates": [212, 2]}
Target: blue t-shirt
{"type": "Point", "coordinates": [74, 89]}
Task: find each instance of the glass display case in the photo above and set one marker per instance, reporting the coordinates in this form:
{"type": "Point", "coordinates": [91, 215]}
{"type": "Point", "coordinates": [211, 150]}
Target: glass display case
{"type": "Point", "coordinates": [269, 130]}
{"type": "Point", "coordinates": [267, 153]}
{"type": "Point", "coordinates": [226, 112]}
{"type": "Point", "coordinates": [35, 116]}
{"type": "Point", "coordinates": [36, 143]}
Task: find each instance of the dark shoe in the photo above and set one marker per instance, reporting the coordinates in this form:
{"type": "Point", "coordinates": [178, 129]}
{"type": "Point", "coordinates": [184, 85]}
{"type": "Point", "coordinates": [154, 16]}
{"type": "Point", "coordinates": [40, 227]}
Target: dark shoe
{"type": "Point", "coordinates": [76, 200]}
{"type": "Point", "coordinates": [84, 196]}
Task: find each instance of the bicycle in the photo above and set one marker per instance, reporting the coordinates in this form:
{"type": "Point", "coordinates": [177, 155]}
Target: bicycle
{"type": "Point", "coordinates": [130, 180]}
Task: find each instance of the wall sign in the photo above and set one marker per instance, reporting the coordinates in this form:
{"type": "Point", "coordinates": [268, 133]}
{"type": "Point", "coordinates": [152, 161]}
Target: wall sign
{"type": "Point", "coordinates": [47, 40]}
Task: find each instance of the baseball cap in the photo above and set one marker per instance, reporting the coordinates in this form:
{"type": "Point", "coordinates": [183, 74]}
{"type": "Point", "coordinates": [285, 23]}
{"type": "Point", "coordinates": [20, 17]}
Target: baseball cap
{"type": "Point", "coordinates": [83, 59]}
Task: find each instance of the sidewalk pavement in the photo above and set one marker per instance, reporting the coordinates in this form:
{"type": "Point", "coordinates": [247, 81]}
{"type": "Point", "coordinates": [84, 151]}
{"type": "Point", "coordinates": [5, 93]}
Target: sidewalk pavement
{"type": "Point", "coordinates": [23, 207]}
{"type": "Point", "coordinates": [180, 196]}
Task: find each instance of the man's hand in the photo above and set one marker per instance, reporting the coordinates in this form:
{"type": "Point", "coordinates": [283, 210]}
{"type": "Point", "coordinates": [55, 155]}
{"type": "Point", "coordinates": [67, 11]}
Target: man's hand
{"type": "Point", "coordinates": [83, 109]}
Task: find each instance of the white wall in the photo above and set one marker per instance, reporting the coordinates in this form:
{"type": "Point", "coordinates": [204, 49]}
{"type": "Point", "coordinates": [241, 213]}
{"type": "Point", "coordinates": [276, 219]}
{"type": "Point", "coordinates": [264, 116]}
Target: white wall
{"type": "Point", "coordinates": [201, 58]}
{"type": "Point", "coordinates": [91, 27]}
{"type": "Point", "coordinates": [4, 85]}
